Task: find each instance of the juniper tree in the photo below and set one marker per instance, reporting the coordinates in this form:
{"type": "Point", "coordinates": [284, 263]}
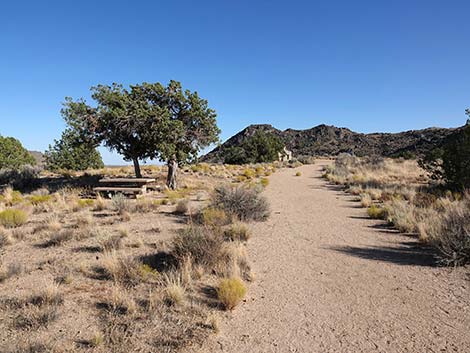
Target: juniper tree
{"type": "Point", "coordinates": [146, 121]}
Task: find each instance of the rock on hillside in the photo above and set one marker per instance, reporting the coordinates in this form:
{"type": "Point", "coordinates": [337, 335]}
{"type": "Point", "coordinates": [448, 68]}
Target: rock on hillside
{"type": "Point", "coordinates": [324, 140]}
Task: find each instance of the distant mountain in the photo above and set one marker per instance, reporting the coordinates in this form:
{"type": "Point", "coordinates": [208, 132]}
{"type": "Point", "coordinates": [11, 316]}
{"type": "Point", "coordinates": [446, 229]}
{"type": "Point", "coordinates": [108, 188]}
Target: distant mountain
{"type": "Point", "coordinates": [324, 140]}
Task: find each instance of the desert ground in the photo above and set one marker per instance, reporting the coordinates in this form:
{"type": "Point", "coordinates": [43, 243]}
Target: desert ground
{"type": "Point", "coordinates": [329, 279]}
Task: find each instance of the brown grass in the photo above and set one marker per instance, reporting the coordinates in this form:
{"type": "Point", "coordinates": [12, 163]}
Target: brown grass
{"type": "Point", "coordinates": [231, 292]}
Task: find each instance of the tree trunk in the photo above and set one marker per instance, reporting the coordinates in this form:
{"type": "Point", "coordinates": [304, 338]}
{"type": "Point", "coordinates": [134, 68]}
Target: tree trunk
{"type": "Point", "coordinates": [138, 174]}
{"type": "Point", "coordinates": [172, 172]}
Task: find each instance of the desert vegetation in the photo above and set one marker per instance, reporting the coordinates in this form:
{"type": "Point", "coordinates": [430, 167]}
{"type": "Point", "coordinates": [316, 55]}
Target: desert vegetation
{"type": "Point", "coordinates": [413, 201]}
{"type": "Point", "coordinates": [150, 273]}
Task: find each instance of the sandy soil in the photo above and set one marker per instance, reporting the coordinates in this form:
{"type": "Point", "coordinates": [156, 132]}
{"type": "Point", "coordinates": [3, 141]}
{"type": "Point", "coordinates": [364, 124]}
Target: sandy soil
{"type": "Point", "coordinates": [330, 280]}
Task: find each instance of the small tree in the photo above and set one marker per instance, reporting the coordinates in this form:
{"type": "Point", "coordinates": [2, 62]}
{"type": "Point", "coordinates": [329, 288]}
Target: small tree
{"type": "Point", "coordinates": [147, 121]}
{"type": "Point", "coordinates": [13, 155]}
{"type": "Point", "coordinates": [451, 162]}
{"type": "Point", "coordinates": [70, 154]}
{"type": "Point", "coordinates": [261, 147]}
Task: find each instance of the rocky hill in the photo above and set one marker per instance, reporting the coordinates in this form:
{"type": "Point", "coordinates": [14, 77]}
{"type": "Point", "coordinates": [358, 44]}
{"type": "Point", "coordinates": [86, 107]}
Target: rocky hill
{"type": "Point", "coordinates": [324, 140]}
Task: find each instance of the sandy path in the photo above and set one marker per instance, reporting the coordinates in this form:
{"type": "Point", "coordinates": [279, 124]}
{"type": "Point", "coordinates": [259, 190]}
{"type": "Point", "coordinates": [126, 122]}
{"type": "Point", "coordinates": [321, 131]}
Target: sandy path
{"type": "Point", "coordinates": [330, 280]}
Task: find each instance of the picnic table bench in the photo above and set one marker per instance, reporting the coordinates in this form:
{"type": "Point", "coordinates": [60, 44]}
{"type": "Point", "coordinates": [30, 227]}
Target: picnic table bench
{"type": "Point", "coordinates": [133, 186]}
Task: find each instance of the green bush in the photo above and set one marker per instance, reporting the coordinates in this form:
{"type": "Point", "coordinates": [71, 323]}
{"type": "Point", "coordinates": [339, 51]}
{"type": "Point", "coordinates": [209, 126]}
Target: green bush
{"type": "Point", "coordinates": [12, 218]}
{"type": "Point", "coordinates": [261, 147]}
{"type": "Point", "coordinates": [69, 153]}
{"type": "Point", "coordinates": [13, 155]}
{"type": "Point", "coordinates": [376, 212]}
{"type": "Point", "coordinates": [451, 162]}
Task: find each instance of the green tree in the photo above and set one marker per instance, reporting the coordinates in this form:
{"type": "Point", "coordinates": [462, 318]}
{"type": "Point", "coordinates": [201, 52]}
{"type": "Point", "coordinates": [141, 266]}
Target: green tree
{"type": "Point", "coordinates": [13, 155]}
{"type": "Point", "coordinates": [71, 154]}
{"type": "Point", "coordinates": [451, 162]}
{"type": "Point", "coordinates": [261, 147]}
{"type": "Point", "coordinates": [146, 121]}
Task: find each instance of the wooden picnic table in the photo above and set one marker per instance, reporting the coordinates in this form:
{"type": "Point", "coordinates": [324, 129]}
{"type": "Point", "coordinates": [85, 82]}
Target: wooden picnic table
{"type": "Point", "coordinates": [126, 185]}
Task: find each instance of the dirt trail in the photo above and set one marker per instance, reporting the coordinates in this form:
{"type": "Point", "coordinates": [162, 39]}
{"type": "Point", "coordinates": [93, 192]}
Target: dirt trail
{"type": "Point", "coordinates": [330, 280]}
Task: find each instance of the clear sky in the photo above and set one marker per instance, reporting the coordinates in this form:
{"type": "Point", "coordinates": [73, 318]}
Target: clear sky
{"type": "Point", "coordinates": [366, 65]}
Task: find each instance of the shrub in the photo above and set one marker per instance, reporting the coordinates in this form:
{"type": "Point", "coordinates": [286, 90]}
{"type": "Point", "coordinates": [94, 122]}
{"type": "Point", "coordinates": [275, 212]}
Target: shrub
{"type": "Point", "coordinates": [13, 155]}
{"type": "Point", "coordinates": [123, 270]}
{"type": "Point", "coordinates": [213, 217]}
{"type": "Point", "coordinates": [201, 244]}
{"type": "Point", "coordinates": [452, 235]}
{"type": "Point", "coordinates": [264, 182]}
{"type": "Point", "coordinates": [120, 203]}
{"type": "Point", "coordinates": [366, 200]}
{"type": "Point", "coordinates": [401, 214]}
{"type": "Point", "coordinates": [182, 206]}
{"type": "Point", "coordinates": [249, 173]}
{"type": "Point", "coordinates": [237, 232]}
{"type": "Point", "coordinates": [12, 218]}
{"type": "Point", "coordinates": [20, 178]}
{"type": "Point", "coordinates": [112, 243]}
{"type": "Point", "coordinates": [376, 212]}
{"type": "Point", "coordinates": [230, 292]}
{"type": "Point", "coordinates": [11, 197]}
{"type": "Point", "coordinates": [298, 174]}
{"type": "Point", "coordinates": [451, 162]}
{"type": "Point", "coordinates": [242, 202]}
{"type": "Point", "coordinates": [59, 238]}
{"type": "Point", "coordinates": [69, 153]}
{"type": "Point", "coordinates": [175, 293]}
{"type": "Point", "coordinates": [38, 199]}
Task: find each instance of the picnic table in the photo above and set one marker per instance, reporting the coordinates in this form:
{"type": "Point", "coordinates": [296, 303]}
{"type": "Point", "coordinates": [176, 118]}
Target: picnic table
{"type": "Point", "coordinates": [134, 186]}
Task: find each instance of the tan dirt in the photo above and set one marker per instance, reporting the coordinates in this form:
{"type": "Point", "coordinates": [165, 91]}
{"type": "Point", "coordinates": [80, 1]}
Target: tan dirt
{"type": "Point", "coordinates": [330, 280]}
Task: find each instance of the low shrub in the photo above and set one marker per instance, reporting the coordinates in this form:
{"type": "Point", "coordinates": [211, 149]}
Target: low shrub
{"type": "Point", "coordinates": [202, 245]}
{"type": "Point", "coordinates": [376, 212]}
{"type": "Point", "coordinates": [231, 292]}
{"type": "Point", "coordinates": [22, 178]}
{"type": "Point", "coordinates": [264, 182]}
{"type": "Point", "coordinates": [242, 202]}
{"type": "Point", "coordinates": [452, 235]}
{"type": "Point", "coordinates": [39, 199]}
{"type": "Point", "coordinates": [12, 218]}
{"type": "Point", "coordinates": [237, 232]}
{"type": "Point", "coordinates": [120, 204]}
{"type": "Point", "coordinates": [366, 200]}
{"type": "Point", "coordinates": [213, 217]}
{"type": "Point", "coordinates": [298, 174]}
{"type": "Point", "coordinates": [401, 214]}
{"type": "Point", "coordinates": [123, 270]}
{"type": "Point", "coordinates": [182, 207]}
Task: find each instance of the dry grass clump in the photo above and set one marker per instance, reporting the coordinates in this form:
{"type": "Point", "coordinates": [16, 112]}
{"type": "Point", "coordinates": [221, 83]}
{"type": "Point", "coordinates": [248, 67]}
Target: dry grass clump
{"type": "Point", "coordinates": [40, 309]}
{"type": "Point", "coordinates": [264, 182]}
{"type": "Point", "coordinates": [121, 204]}
{"type": "Point", "coordinates": [199, 243]}
{"type": "Point", "coordinates": [213, 217]}
{"type": "Point", "coordinates": [298, 174]}
{"type": "Point", "coordinates": [238, 232]}
{"type": "Point", "coordinates": [376, 212]}
{"type": "Point", "coordinates": [5, 238]}
{"type": "Point", "coordinates": [13, 269]}
{"type": "Point", "coordinates": [242, 202]}
{"type": "Point", "coordinates": [114, 242]}
{"type": "Point", "coordinates": [121, 269]}
{"type": "Point", "coordinates": [59, 238]}
{"type": "Point", "coordinates": [36, 200]}
{"type": "Point", "coordinates": [450, 233]}
{"type": "Point", "coordinates": [366, 200]}
{"type": "Point", "coordinates": [175, 292]}
{"type": "Point", "coordinates": [12, 218]}
{"type": "Point", "coordinates": [231, 292]}
{"type": "Point", "coordinates": [402, 215]}
{"type": "Point", "coordinates": [182, 207]}
{"type": "Point", "coordinates": [11, 197]}
{"type": "Point", "coordinates": [100, 204]}
{"type": "Point", "coordinates": [121, 302]}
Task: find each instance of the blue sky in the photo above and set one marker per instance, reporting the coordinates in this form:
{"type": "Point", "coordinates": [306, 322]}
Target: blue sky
{"type": "Point", "coordinates": [366, 65]}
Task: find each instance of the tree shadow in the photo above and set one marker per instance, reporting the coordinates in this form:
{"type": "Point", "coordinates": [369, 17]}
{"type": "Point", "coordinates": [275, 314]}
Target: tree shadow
{"type": "Point", "coordinates": [406, 253]}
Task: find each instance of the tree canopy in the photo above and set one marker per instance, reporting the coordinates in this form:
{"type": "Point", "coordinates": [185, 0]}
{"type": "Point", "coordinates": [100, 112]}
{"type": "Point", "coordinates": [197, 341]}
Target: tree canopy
{"type": "Point", "coordinates": [261, 147]}
{"type": "Point", "coordinates": [13, 155]}
{"type": "Point", "coordinates": [69, 154]}
{"type": "Point", "coordinates": [451, 162]}
{"type": "Point", "coordinates": [146, 121]}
